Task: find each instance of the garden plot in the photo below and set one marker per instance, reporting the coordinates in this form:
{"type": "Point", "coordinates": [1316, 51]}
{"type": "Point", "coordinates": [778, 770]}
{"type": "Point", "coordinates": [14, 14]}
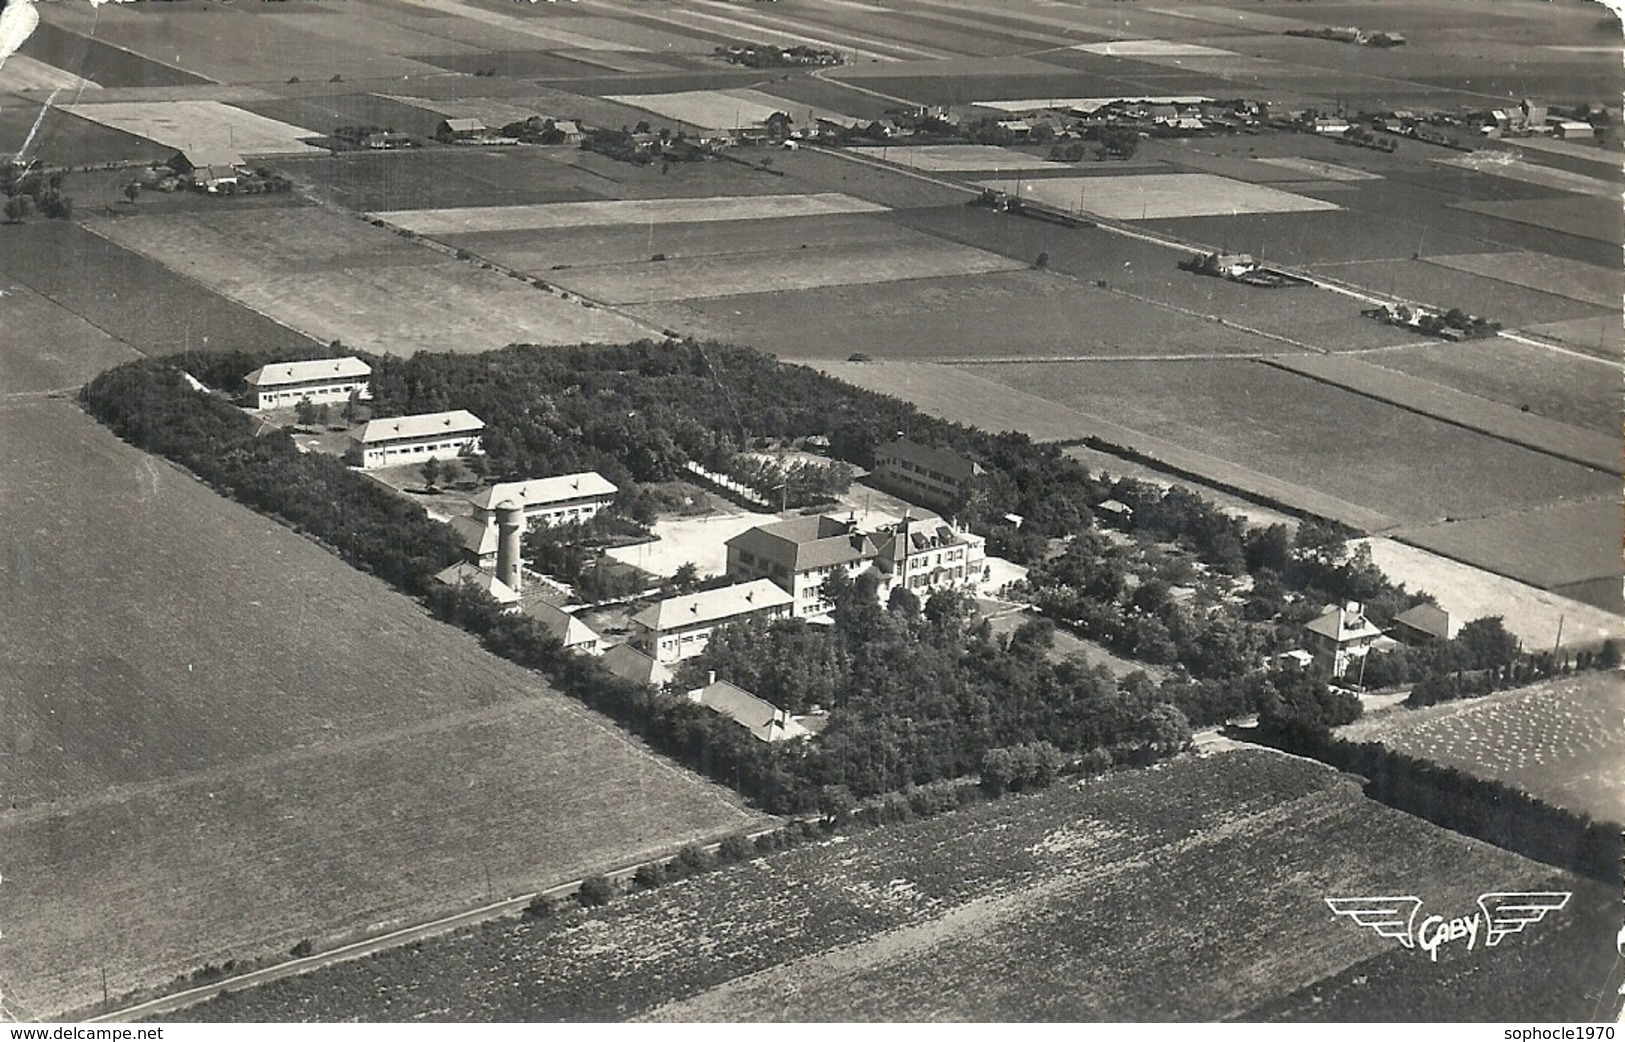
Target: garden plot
{"type": "Point", "coordinates": [381, 293]}
{"type": "Point", "coordinates": [1468, 592]}
{"type": "Point", "coordinates": [977, 158]}
{"type": "Point", "coordinates": [1155, 196]}
{"type": "Point", "coordinates": [721, 109]}
{"type": "Point", "coordinates": [206, 126]}
{"type": "Point", "coordinates": [909, 256]}
{"type": "Point", "coordinates": [1320, 170]}
{"type": "Point", "coordinates": [1502, 164]}
{"type": "Point", "coordinates": [1562, 741]}
{"type": "Point", "coordinates": [1588, 283]}
{"type": "Point", "coordinates": [1545, 545]}
{"type": "Point", "coordinates": [468, 220]}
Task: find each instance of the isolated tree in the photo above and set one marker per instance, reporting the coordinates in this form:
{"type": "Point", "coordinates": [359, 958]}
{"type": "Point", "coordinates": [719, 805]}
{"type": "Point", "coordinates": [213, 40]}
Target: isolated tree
{"type": "Point", "coordinates": [17, 209]}
{"type": "Point", "coordinates": [1486, 643]}
{"type": "Point", "coordinates": [132, 192]}
{"type": "Point", "coordinates": [1042, 261]}
{"type": "Point", "coordinates": [686, 578]}
{"type": "Point", "coordinates": [304, 411]}
{"type": "Point", "coordinates": [835, 803]}
{"type": "Point", "coordinates": [431, 472]}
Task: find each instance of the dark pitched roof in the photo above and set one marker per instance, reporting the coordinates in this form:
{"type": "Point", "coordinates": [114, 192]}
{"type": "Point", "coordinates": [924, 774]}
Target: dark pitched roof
{"type": "Point", "coordinates": [1426, 618]}
{"type": "Point", "coordinates": [805, 543]}
{"type": "Point", "coordinates": [957, 467]}
{"type": "Point", "coordinates": [629, 663]}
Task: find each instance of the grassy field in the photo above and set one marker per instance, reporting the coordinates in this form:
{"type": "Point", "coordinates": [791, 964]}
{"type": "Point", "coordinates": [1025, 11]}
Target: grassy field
{"type": "Point", "coordinates": [337, 278]}
{"type": "Point", "coordinates": [1546, 545]}
{"type": "Point", "coordinates": [1399, 463]}
{"type": "Point", "coordinates": [722, 109]}
{"type": "Point", "coordinates": [45, 347]}
{"type": "Point", "coordinates": [956, 157]}
{"type": "Point", "coordinates": [1589, 217]}
{"type": "Point", "coordinates": [1500, 164]}
{"type": "Point", "coordinates": [542, 216]}
{"type": "Point", "coordinates": [1561, 387]}
{"type": "Point", "coordinates": [203, 125]}
{"type": "Point", "coordinates": [131, 297]}
{"type": "Point", "coordinates": [1561, 740]}
{"type": "Point", "coordinates": [1159, 196]}
{"type": "Point", "coordinates": [1116, 886]}
{"type": "Point", "coordinates": [105, 63]}
{"type": "Point", "coordinates": [176, 795]}
{"type": "Point", "coordinates": [1005, 315]}
{"type": "Point", "coordinates": [1424, 282]}
{"type": "Point", "coordinates": [1540, 618]}
{"type": "Point", "coordinates": [325, 112]}
{"type": "Point", "coordinates": [787, 271]}
{"type": "Point", "coordinates": [66, 140]}
{"type": "Point", "coordinates": [1587, 283]}
{"type": "Point", "coordinates": [1596, 447]}
{"type": "Point", "coordinates": [442, 177]}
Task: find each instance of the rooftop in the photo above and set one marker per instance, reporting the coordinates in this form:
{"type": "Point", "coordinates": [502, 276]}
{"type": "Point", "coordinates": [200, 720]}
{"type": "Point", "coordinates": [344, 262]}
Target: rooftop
{"type": "Point", "coordinates": [1426, 618]}
{"type": "Point", "coordinates": [541, 491]}
{"type": "Point", "coordinates": [629, 663]}
{"type": "Point", "coordinates": [955, 466]}
{"type": "Point", "coordinates": [479, 578]}
{"type": "Point", "coordinates": [806, 543]}
{"type": "Point", "coordinates": [1344, 624]}
{"type": "Point", "coordinates": [278, 373]}
{"type": "Point", "coordinates": [570, 631]}
{"type": "Point", "coordinates": [458, 421]}
{"type": "Point", "coordinates": [761, 718]}
{"type": "Point", "coordinates": [477, 537]}
{"type": "Point", "coordinates": [708, 606]}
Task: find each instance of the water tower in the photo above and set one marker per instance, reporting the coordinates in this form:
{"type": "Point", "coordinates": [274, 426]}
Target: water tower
{"type": "Point", "coordinates": [511, 525]}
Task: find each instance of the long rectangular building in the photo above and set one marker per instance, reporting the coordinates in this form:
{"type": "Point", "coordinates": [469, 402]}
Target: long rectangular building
{"type": "Point", "coordinates": [318, 380]}
{"type": "Point", "coordinates": [415, 439]}
{"type": "Point", "coordinates": [549, 501]}
{"type": "Point", "coordinates": [680, 627]}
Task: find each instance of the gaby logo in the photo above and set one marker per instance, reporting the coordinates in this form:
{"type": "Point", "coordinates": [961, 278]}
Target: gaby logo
{"type": "Point", "coordinates": [1499, 913]}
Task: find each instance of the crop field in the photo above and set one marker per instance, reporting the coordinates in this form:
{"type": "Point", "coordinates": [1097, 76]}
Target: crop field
{"type": "Point", "coordinates": [944, 919]}
{"type": "Point", "coordinates": [98, 60]}
{"type": "Point", "coordinates": [1588, 217]}
{"type": "Point", "coordinates": [365, 775]}
{"type": "Point", "coordinates": [1559, 386]}
{"type": "Point", "coordinates": [1408, 466]}
{"type": "Point", "coordinates": [906, 258]}
{"type": "Point", "coordinates": [1425, 282]}
{"type": "Point", "coordinates": [65, 140]}
{"type": "Point", "coordinates": [1317, 170]}
{"type": "Point", "coordinates": [1003, 315]}
{"type": "Point", "coordinates": [718, 109]}
{"type": "Point", "coordinates": [1601, 337]}
{"type": "Point", "coordinates": [623, 244]}
{"type": "Point", "coordinates": [472, 220]}
{"type": "Point", "coordinates": [45, 347]}
{"type": "Point", "coordinates": [1597, 447]}
{"type": "Point", "coordinates": [1545, 545]}
{"type": "Point", "coordinates": [337, 278]}
{"type": "Point", "coordinates": [204, 125]}
{"type": "Point", "coordinates": [957, 157]}
{"type": "Point", "coordinates": [22, 73]}
{"type": "Point", "coordinates": [132, 297]}
{"type": "Point", "coordinates": [1540, 618]}
{"type": "Point", "coordinates": [1500, 164]}
{"type": "Point", "coordinates": [1328, 236]}
{"type": "Point", "coordinates": [1587, 283]}
{"type": "Point", "coordinates": [371, 181]}
{"type": "Point", "coordinates": [325, 112]}
{"type": "Point", "coordinates": [1148, 196]}
{"type": "Point", "coordinates": [1562, 740]}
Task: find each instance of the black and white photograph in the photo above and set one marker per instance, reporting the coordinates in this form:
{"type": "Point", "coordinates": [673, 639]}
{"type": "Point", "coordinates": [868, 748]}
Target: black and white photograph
{"type": "Point", "coordinates": [857, 512]}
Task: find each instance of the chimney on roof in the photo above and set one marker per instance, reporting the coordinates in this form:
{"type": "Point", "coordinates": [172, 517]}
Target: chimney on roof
{"type": "Point", "coordinates": [710, 677]}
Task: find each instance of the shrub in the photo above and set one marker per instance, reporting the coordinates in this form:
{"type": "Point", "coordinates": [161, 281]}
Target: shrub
{"type": "Point", "coordinates": [302, 949]}
{"type": "Point", "coordinates": [595, 892]}
{"type": "Point", "coordinates": [541, 907]}
{"type": "Point", "coordinates": [734, 848]}
{"type": "Point", "coordinates": [649, 876]}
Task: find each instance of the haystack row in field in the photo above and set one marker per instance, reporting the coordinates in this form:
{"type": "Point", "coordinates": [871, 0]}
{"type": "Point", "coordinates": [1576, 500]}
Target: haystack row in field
{"type": "Point", "coordinates": [206, 126]}
{"type": "Point", "coordinates": [909, 256]}
{"type": "Point", "coordinates": [1576, 280]}
{"type": "Point", "coordinates": [1151, 196]}
{"type": "Point", "coordinates": [467, 220]}
{"type": "Point", "coordinates": [978, 158]}
{"type": "Point", "coordinates": [1469, 592]}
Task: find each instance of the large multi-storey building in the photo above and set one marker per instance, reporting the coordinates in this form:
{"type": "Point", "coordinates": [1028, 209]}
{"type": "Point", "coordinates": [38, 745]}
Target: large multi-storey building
{"type": "Point", "coordinates": [680, 627]}
{"type": "Point", "coordinates": [922, 474]}
{"type": "Point", "coordinates": [317, 380]}
{"type": "Point", "coordinates": [799, 555]}
{"type": "Point", "coordinates": [416, 439]}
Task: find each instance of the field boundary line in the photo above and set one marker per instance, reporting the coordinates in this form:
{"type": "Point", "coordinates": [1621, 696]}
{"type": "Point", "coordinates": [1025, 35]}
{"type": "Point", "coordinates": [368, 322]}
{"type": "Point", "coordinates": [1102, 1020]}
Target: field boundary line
{"type": "Point", "coordinates": [1525, 441]}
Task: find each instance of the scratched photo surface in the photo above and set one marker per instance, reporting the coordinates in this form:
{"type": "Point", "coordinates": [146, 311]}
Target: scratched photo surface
{"type": "Point", "coordinates": [811, 511]}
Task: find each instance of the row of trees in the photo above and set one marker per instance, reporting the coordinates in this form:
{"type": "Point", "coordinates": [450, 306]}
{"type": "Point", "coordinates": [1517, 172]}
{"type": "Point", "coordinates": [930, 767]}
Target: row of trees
{"type": "Point", "coordinates": [27, 191]}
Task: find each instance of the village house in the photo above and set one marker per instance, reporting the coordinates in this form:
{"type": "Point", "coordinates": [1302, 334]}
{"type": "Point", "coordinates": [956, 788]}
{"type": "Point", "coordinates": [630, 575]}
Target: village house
{"type": "Point", "coordinates": [629, 663]}
{"type": "Point", "coordinates": [208, 168]}
{"type": "Point", "coordinates": [481, 579]}
{"type": "Point", "coordinates": [549, 501]}
{"type": "Point", "coordinates": [680, 627]}
{"type": "Point", "coordinates": [415, 439]}
{"type": "Point", "coordinates": [1423, 624]}
{"type": "Point", "coordinates": [1342, 635]}
{"type": "Point", "coordinates": [923, 474]}
{"type": "Point", "coordinates": [570, 631]}
{"type": "Point", "coordinates": [925, 554]}
{"type": "Point", "coordinates": [460, 130]}
{"type": "Point", "coordinates": [799, 555]}
{"type": "Point", "coordinates": [318, 380]}
{"type": "Point", "coordinates": [765, 721]}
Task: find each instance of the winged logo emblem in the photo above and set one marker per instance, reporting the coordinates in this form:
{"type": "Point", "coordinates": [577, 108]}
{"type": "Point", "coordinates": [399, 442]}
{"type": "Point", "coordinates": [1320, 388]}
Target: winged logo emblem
{"type": "Point", "coordinates": [1500, 912]}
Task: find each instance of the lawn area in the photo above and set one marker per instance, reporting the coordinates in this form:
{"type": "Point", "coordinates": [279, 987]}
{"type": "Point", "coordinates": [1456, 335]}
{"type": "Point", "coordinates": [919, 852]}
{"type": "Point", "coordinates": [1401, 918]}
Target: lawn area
{"type": "Point", "coordinates": [369, 773]}
{"type": "Point", "coordinates": [1561, 740]}
{"type": "Point", "coordinates": [338, 278]}
{"type": "Point", "coordinates": [1405, 465]}
{"type": "Point", "coordinates": [945, 919]}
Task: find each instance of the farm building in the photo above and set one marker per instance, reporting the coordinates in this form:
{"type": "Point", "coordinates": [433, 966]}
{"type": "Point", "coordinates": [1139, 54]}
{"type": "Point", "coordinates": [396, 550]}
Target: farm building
{"type": "Point", "coordinates": [415, 439]}
{"type": "Point", "coordinates": [799, 555]}
{"type": "Point", "coordinates": [1340, 635]}
{"type": "Point", "coordinates": [570, 129]}
{"type": "Point", "coordinates": [629, 663]}
{"type": "Point", "coordinates": [1573, 130]}
{"type": "Point", "coordinates": [208, 168]}
{"type": "Point", "coordinates": [317, 380]}
{"type": "Point", "coordinates": [387, 140]}
{"type": "Point", "coordinates": [924, 474]}
{"type": "Point", "coordinates": [925, 554]}
{"type": "Point", "coordinates": [1115, 511]}
{"type": "Point", "coordinates": [1423, 624]}
{"type": "Point", "coordinates": [680, 627]}
{"type": "Point", "coordinates": [765, 721]}
{"type": "Point", "coordinates": [460, 129]}
{"type": "Point", "coordinates": [550, 501]}
{"type": "Point", "coordinates": [574, 634]}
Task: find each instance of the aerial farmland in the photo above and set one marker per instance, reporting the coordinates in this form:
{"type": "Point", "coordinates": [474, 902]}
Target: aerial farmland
{"type": "Point", "coordinates": [1347, 267]}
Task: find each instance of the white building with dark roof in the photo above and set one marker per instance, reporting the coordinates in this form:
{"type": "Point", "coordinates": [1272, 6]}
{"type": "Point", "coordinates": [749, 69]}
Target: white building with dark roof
{"type": "Point", "coordinates": [481, 579]}
{"type": "Point", "coordinates": [550, 501]}
{"type": "Point", "coordinates": [922, 474]}
{"type": "Point", "coordinates": [318, 380]}
{"type": "Point", "coordinates": [680, 627]}
{"type": "Point", "coordinates": [1341, 635]}
{"type": "Point", "coordinates": [799, 555]}
{"type": "Point", "coordinates": [416, 439]}
{"type": "Point", "coordinates": [573, 633]}
{"type": "Point", "coordinates": [926, 554]}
